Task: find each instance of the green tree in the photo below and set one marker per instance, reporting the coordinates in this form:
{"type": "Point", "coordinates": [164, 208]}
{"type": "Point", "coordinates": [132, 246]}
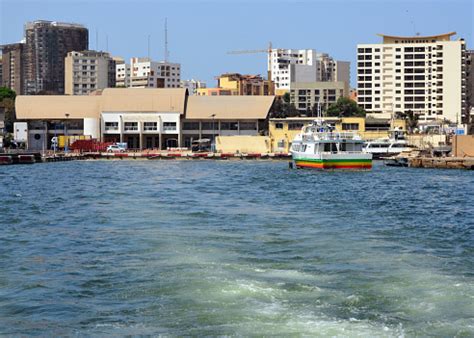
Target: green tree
{"type": "Point", "coordinates": [281, 109]}
{"type": "Point", "coordinates": [412, 120]}
{"type": "Point", "coordinates": [286, 97]}
{"type": "Point", "coordinates": [345, 107]}
{"type": "Point", "coordinates": [7, 104]}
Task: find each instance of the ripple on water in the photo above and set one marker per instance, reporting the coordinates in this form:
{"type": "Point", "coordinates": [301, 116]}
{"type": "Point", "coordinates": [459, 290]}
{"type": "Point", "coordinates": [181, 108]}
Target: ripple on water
{"type": "Point", "coordinates": [234, 248]}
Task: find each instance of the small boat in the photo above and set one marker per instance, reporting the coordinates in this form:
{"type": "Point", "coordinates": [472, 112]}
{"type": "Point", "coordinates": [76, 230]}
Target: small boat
{"type": "Point", "coordinates": [389, 146]}
{"type": "Point", "coordinates": [320, 146]}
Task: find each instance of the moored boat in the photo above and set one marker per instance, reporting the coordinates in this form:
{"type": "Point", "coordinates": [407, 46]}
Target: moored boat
{"type": "Point", "coordinates": [320, 146]}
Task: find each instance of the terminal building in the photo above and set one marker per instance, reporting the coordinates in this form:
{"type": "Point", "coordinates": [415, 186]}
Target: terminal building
{"type": "Point", "coordinates": [147, 118]}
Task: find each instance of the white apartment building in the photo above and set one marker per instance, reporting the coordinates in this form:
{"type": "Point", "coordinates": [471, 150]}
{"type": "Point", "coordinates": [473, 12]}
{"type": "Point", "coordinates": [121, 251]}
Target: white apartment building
{"type": "Point", "coordinates": [304, 65]}
{"type": "Point", "coordinates": [122, 73]}
{"type": "Point", "coordinates": [87, 71]}
{"type": "Point", "coordinates": [192, 85]}
{"type": "Point", "coordinates": [422, 74]}
{"type": "Point", "coordinates": [144, 73]}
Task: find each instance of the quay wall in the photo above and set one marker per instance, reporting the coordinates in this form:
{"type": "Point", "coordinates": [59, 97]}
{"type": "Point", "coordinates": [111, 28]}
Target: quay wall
{"type": "Point", "coordinates": [243, 144]}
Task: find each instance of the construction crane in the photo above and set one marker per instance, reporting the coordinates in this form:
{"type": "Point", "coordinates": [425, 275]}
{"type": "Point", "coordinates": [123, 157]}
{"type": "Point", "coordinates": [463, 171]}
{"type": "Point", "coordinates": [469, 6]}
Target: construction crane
{"type": "Point", "coordinates": [255, 51]}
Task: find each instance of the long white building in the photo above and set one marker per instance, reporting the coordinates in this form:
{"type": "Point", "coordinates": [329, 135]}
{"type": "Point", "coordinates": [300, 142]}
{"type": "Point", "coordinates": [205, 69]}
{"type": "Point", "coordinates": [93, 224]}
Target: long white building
{"type": "Point", "coordinates": [422, 74]}
{"type": "Point", "coordinates": [145, 73]}
{"type": "Point", "coordinates": [304, 65]}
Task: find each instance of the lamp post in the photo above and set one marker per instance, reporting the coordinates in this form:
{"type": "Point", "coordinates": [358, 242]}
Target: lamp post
{"type": "Point", "coordinates": [65, 134]}
{"type": "Point", "coordinates": [213, 144]}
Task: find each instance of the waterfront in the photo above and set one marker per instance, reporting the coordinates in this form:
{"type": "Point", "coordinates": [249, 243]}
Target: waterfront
{"type": "Point", "coordinates": [234, 248]}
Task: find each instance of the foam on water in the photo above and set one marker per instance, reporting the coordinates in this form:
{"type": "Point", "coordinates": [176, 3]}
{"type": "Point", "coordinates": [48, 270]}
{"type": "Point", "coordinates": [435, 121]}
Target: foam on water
{"type": "Point", "coordinates": [234, 248]}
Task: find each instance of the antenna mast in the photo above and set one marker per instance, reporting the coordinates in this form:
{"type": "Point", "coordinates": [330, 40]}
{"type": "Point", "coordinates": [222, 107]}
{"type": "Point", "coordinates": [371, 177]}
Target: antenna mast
{"type": "Point", "coordinates": [166, 40]}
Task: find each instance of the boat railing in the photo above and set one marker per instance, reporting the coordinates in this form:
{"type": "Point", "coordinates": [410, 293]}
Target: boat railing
{"type": "Point", "coordinates": [332, 136]}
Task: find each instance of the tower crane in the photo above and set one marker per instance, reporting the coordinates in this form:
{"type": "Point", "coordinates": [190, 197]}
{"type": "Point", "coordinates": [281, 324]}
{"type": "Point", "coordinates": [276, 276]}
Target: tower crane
{"type": "Point", "coordinates": [255, 51]}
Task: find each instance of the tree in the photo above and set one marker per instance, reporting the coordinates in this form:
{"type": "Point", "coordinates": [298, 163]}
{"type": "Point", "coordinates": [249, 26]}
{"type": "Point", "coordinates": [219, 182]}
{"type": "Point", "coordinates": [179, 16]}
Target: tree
{"type": "Point", "coordinates": [345, 107]}
{"type": "Point", "coordinates": [412, 120]}
{"type": "Point", "coordinates": [7, 104]}
{"type": "Point", "coordinates": [281, 109]}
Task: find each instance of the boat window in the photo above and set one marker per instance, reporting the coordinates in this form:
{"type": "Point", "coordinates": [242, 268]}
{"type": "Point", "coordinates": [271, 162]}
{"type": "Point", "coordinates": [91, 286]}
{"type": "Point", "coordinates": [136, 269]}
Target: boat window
{"type": "Point", "coordinates": [342, 146]}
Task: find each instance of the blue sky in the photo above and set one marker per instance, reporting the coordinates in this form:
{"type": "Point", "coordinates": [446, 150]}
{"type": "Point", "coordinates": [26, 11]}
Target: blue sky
{"type": "Point", "coordinates": [201, 32]}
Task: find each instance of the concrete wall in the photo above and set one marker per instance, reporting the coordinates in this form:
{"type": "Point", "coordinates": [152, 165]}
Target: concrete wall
{"type": "Point", "coordinates": [426, 141]}
{"type": "Point", "coordinates": [463, 145]}
{"type": "Point", "coordinates": [243, 144]}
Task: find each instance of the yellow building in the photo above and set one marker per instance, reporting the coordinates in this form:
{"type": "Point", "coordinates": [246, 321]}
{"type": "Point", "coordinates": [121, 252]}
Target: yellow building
{"type": "Point", "coordinates": [237, 84]}
{"type": "Point", "coordinates": [282, 131]}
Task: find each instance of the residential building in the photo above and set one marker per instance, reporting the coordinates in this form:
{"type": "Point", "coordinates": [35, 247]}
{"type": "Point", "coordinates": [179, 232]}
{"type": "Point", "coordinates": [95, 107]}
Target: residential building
{"type": "Point", "coordinates": [238, 84]}
{"type": "Point", "coordinates": [192, 85]}
{"type": "Point", "coordinates": [87, 71]}
{"type": "Point", "coordinates": [307, 95]}
{"type": "Point", "coordinates": [122, 73]}
{"type": "Point", "coordinates": [143, 118]}
{"type": "Point", "coordinates": [422, 74]}
{"type": "Point", "coordinates": [145, 73]}
{"type": "Point", "coordinates": [282, 131]}
{"type": "Point", "coordinates": [1, 69]}
{"type": "Point", "coordinates": [304, 65]}
{"type": "Point", "coordinates": [47, 44]}
{"type": "Point", "coordinates": [470, 82]}
{"type": "Point", "coordinates": [13, 67]}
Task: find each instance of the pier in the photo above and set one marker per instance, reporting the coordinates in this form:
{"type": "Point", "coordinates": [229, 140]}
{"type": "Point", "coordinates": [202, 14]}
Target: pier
{"type": "Point", "coordinates": [442, 162]}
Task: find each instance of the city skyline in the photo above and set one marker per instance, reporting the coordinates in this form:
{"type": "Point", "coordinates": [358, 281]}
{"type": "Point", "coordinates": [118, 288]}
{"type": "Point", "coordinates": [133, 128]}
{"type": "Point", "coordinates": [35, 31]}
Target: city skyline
{"type": "Point", "coordinates": [210, 29]}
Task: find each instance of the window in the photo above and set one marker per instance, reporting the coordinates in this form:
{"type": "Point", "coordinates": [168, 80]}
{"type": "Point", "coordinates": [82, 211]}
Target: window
{"type": "Point", "coordinates": [191, 126]}
{"type": "Point", "coordinates": [248, 126]}
{"type": "Point", "coordinates": [130, 126]}
{"type": "Point", "coordinates": [350, 126]}
{"type": "Point", "coordinates": [278, 125]}
{"type": "Point", "coordinates": [169, 125]}
{"type": "Point", "coordinates": [229, 125]}
{"type": "Point", "coordinates": [111, 126]}
{"type": "Point", "coordinates": [149, 126]}
{"type": "Point", "coordinates": [295, 125]}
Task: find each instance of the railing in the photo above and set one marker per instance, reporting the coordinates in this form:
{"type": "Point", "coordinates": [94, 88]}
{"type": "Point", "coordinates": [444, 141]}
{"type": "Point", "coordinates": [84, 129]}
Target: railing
{"type": "Point", "coordinates": [330, 136]}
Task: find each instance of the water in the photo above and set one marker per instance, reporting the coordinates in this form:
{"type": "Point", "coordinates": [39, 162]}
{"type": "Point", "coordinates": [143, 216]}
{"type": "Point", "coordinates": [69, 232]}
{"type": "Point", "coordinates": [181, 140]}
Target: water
{"type": "Point", "coordinates": [235, 248]}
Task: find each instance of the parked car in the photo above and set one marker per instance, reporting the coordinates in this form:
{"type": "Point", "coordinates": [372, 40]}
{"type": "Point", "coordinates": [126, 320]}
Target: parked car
{"type": "Point", "coordinates": [115, 148]}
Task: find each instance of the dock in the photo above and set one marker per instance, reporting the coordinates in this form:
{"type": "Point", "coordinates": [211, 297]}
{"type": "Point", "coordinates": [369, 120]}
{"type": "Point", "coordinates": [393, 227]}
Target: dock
{"type": "Point", "coordinates": [442, 162]}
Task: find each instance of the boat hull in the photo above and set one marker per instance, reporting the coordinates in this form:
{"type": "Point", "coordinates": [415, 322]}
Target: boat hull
{"type": "Point", "coordinates": [355, 162]}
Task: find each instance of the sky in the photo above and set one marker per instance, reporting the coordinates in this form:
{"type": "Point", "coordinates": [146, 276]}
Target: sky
{"type": "Point", "coordinates": [200, 33]}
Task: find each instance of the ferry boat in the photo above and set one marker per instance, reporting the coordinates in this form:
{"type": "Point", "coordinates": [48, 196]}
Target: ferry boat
{"type": "Point", "coordinates": [320, 146]}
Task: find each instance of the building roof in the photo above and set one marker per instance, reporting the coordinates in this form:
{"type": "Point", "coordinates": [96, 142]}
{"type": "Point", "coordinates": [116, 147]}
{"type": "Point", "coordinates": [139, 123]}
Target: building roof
{"type": "Point", "coordinates": [143, 99]}
{"type": "Point", "coordinates": [56, 106]}
{"type": "Point", "coordinates": [229, 107]}
{"type": "Point", "coordinates": [439, 37]}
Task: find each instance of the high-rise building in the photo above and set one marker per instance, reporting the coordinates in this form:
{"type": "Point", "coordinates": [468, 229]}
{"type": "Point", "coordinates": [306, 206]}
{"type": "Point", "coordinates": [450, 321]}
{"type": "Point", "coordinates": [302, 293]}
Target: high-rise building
{"type": "Point", "coordinates": [192, 85]}
{"type": "Point", "coordinates": [422, 74]}
{"type": "Point", "coordinates": [47, 44]}
{"type": "Point", "coordinates": [144, 73]}
{"type": "Point", "coordinates": [87, 71]}
{"type": "Point", "coordinates": [304, 65]}
{"type": "Point", "coordinates": [13, 67]}
{"type": "Point", "coordinates": [470, 83]}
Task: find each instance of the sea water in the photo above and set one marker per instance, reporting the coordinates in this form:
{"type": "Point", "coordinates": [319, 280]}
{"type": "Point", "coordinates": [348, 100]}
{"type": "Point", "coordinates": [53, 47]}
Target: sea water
{"type": "Point", "coordinates": [235, 248]}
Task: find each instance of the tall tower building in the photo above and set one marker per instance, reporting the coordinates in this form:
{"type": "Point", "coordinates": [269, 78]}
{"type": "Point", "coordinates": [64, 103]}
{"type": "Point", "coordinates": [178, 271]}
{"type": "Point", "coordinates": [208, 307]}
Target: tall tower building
{"type": "Point", "coordinates": [422, 74]}
{"type": "Point", "coordinates": [47, 44]}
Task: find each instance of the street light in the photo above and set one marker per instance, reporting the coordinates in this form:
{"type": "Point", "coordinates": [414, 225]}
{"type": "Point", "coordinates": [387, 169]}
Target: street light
{"type": "Point", "coordinates": [65, 134]}
{"type": "Point", "coordinates": [213, 144]}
